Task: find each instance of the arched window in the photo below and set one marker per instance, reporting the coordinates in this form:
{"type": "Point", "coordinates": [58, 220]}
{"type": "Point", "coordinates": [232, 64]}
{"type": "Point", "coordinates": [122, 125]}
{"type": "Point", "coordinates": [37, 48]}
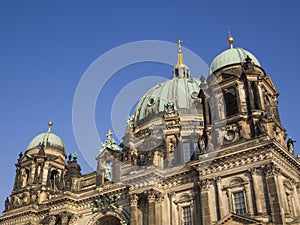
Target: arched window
{"type": "Point", "coordinates": [185, 209]}
{"type": "Point", "coordinates": [255, 95]}
{"type": "Point", "coordinates": [53, 178]}
{"type": "Point", "coordinates": [27, 171]}
{"type": "Point", "coordinates": [231, 104]}
{"type": "Point", "coordinates": [237, 190]}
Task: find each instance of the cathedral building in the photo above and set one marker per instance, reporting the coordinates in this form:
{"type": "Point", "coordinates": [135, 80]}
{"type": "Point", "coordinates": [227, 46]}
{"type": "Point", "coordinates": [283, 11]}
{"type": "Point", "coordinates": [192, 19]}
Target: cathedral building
{"type": "Point", "coordinates": [195, 152]}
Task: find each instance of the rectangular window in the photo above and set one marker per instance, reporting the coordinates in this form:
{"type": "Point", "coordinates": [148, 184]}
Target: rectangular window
{"type": "Point", "coordinates": [239, 202]}
{"type": "Point", "coordinates": [187, 217]}
{"type": "Point", "coordinates": [186, 152]}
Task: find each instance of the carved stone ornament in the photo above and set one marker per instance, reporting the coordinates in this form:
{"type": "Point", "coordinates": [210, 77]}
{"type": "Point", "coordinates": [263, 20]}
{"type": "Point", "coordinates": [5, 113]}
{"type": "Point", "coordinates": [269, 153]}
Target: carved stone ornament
{"type": "Point", "coordinates": [271, 169]}
{"type": "Point", "coordinates": [134, 199]}
{"type": "Point", "coordinates": [204, 185]}
{"type": "Point", "coordinates": [105, 203]}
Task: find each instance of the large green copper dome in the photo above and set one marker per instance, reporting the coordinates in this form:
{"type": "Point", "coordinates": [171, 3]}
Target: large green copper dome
{"type": "Point", "coordinates": [231, 56]}
{"type": "Point", "coordinates": [181, 91]}
{"type": "Point", "coordinates": [48, 139]}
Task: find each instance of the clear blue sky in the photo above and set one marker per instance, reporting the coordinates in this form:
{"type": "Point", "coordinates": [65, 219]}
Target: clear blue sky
{"type": "Point", "coordinates": [46, 46]}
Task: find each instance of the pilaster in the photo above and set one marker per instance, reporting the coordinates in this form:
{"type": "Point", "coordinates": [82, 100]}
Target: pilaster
{"type": "Point", "coordinates": [271, 176]}
{"type": "Point", "coordinates": [220, 199]}
{"type": "Point", "coordinates": [134, 209]}
{"type": "Point", "coordinates": [257, 190]}
{"type": "Point", "coordinates": [205, 206]}
{"type": "Point", "coordinates": [151, 207]}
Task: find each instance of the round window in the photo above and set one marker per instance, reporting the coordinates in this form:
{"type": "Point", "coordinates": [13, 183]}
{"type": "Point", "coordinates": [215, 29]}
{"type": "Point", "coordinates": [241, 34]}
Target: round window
{"type": "Point", "coordinates": [151, 101]}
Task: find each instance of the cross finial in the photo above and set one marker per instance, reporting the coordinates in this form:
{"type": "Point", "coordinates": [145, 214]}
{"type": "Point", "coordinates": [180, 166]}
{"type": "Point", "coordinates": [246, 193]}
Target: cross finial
{"type": "Point", "coordinates": [179, 42]}
{"type": "Point", "coordinates": [109, 134]}
{"type": "Point", "coordinates": [180, 57]}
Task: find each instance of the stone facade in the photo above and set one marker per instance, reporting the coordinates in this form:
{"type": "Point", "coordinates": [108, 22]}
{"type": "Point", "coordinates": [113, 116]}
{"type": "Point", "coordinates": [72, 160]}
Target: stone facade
{"type": "Point", "coordinates": [228, 164]}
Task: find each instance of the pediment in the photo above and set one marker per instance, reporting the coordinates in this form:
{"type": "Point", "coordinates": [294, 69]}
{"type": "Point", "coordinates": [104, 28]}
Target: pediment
{"type": "Point", "coordinates": [234, 219]}
{"type": "Point", "coordinates": [270, 82]}
{"type": "Point", "coordinates": [224, 77]}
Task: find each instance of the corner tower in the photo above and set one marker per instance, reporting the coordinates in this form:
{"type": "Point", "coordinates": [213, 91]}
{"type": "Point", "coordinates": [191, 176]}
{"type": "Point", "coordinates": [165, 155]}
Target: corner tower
{"type": "Point", "coordinates": [255, 171]}
{"type": "Point", "coordinates": [244, 102]}
{"type": "Point", "coordinates": [40, 170]}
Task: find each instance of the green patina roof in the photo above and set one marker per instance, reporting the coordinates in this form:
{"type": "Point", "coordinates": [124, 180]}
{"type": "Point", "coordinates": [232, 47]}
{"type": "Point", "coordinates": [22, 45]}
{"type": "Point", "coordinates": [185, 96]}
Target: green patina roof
{"type": "Point", "coordinates": [49, 139]}
{"type": "Point", "coordinates": [231, 56]}
{"type": "Point", "coordinates": [179, 90]}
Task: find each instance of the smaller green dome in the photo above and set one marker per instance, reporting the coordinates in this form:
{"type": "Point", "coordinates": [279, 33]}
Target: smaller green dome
{"type": "Point", "coordinates": [49, 139]}
{"type": "Point", "coordinates": [231, 56]}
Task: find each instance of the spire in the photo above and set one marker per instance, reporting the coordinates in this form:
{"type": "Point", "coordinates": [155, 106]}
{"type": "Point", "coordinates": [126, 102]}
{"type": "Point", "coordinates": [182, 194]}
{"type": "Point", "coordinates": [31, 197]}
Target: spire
{"type": "Point", "coordinates": [180, 69]}
{"type": "Point", "coordinates": [109, 134]}
{"type": "Point", "coordinates": [230, 39]}
{"type": "Point", "coordinates": [50, 123]}
{"type": "Point", "coordinates": [180, 57]}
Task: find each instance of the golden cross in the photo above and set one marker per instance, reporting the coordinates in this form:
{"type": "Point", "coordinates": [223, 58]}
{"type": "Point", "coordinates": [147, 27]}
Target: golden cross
{"type": "Point", "coordinates": [179, 42]}
{"type": "Point", "coordinates": [109, 134]}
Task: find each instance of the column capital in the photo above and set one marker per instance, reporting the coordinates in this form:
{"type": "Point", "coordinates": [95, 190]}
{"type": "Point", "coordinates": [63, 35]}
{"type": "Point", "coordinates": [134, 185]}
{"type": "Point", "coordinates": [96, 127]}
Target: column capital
{"type": "Point", "coordinates": [133, 199]}
{"type": "Point", "coordinates": [159, 197]}
{"type": "Point", "coordinates": [218, 180]}
{"type": "Point", "coordinates": [204, 185]}
{"type": "Point", "coordinates": [253, 171]}
{"type": "Point", "coordinates": [271, 170]}
{"type": "Point", "coordinates": [150, 195]}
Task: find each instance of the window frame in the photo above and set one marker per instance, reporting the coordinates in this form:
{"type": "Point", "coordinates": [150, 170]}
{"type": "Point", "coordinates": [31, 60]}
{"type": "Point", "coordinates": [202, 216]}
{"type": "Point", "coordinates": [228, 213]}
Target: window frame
{"type": "Point", "coordinates": [234, 204]}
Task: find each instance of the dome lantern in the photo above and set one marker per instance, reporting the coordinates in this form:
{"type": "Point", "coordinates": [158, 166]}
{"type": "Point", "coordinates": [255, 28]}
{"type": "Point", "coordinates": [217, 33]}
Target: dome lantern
{"type": "Point", "coordinates": [180, 69]}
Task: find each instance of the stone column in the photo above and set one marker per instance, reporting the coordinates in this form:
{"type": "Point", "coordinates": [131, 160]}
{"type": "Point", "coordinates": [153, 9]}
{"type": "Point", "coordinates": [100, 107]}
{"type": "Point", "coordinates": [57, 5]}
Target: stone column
{"type": "Point", "coordinates": [205, 106]}
{"type": "Point", "coordinates": [249, 199]}
{"type": "Point", "coordinates": [159, 209]}
{"type": "Point", "coordinates": [238, 98]}
{"type": "Point", "coordinates": [277, 214]}
{"type": "Point", "coordinates": [134, 210]}
{"type": "Point", "coordinates": [283, 198]}
{"type": "Point", "coordinates": [229, 196]}
{"type": "Point", "coordinates": [296, 199]}
{"type": "Point", "coordinates": [206, 217]}
{"type": "Point", "coordinates": [258, 94]}
{"type": "Point", "coordinates": [250, 95]}
{"type": "Point", "coordinates": [52, 220]}
{"type": "Point", "coordinates": [257, 191]}
{"type": "Point", "coordinates": [220, 199]}
{"type": "Point", "coordinates": [151, 207]}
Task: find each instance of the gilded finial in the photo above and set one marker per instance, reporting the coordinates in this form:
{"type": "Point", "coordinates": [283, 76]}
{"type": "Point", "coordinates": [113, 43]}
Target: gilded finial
{"type": "Point", "coordinates": [179, 42]}
{"type": "Point", "coordinates": [230, 39]}
{"type": "Point", "coordinates": [180, 57]}
{"type": "Point", "coordinates": [50, 123]}
{"type": "Point", "coordinates": [109, 134]}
